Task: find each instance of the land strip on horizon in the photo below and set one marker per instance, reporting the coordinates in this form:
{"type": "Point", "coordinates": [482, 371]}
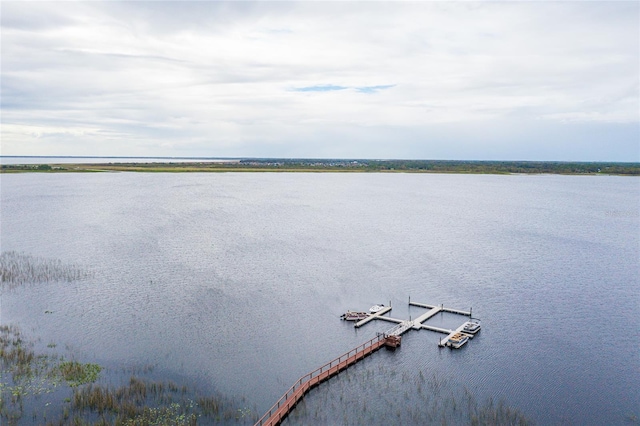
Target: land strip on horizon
{"type": "Point", "coordinates": [338, 165]}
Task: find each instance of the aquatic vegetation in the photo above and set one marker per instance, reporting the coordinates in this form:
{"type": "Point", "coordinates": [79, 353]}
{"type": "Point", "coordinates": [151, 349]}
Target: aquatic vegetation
{"type": "Point", "coordinates": [143, 402]}
{"type": "Point", "coordinates": [427, 399]}
{"type": "Point", "coordinates": [77, 374]}
{"type": "Point", "coordinates": [79, 399]}
{"type": "Point", "coordinates": [23, 373]}
{"type": "Point", "coordinates": [19, 268]}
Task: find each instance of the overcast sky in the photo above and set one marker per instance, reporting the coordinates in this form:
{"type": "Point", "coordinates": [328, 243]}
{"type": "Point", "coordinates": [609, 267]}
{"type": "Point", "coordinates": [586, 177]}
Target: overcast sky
{"type": "Point", "coordinates": [429, 80]}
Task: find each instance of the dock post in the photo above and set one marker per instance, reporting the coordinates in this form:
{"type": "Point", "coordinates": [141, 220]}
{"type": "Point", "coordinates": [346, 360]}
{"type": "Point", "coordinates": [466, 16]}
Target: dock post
{"type": "Point", "coordinates": [409, 299]}
{"type": "Point", "coordinates": [471, 313]}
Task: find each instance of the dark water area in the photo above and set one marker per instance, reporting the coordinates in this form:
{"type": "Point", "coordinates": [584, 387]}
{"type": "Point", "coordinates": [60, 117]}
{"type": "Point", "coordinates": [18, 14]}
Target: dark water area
{"type": "Point", "coordinates": [235, 282]}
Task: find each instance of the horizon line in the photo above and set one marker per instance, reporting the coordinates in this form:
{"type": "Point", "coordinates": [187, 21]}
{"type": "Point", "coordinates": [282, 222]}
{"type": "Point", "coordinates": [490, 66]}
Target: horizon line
{"type": "Point", "coordinates": [308, 158]}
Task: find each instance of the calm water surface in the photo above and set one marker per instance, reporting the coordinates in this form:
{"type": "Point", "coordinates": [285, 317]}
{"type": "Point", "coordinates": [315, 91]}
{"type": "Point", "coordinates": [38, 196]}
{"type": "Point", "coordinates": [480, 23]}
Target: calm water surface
{"type": "Point", "coordinates": [236, 281]}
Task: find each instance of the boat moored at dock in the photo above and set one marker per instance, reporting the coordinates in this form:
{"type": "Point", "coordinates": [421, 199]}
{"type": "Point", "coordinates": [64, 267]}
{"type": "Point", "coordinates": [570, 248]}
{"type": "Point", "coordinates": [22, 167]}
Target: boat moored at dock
{"type": "Point", "coordinates": [376, 308]}
{"type": "Point", "coordinates": [457, 340]}
{"type": "Point", "coordinates": [471, 327]}
{"type": "Point", "coordinates": [354, 316]}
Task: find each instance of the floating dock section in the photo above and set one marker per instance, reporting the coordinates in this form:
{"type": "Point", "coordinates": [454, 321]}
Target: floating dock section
{"type": "Point", "coordinates": [377, 315]}
{"type": "Point", "coordinates": [441, 307]}
{"type": "Point", "coordinates": [417, 324]}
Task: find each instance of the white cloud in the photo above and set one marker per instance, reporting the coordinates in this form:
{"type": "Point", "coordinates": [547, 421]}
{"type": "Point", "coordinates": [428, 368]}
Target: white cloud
{"type": "Point", "coordinates": [205, 78]}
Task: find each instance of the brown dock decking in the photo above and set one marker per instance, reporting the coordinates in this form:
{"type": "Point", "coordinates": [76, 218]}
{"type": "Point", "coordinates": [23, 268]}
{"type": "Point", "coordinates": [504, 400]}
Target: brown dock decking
{"type": "Point", "coordinates": [288, 401]}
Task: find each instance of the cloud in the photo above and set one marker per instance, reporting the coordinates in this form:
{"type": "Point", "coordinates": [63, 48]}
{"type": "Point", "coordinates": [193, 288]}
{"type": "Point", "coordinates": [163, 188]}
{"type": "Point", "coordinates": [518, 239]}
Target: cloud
{"type": "Point", "coordinates": [234, 78]}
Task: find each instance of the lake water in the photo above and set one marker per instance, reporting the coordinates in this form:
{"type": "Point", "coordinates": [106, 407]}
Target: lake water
{"type": "Point", "coordinates": [236, 282]}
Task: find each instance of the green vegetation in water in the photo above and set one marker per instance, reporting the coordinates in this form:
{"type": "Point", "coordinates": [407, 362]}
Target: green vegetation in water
{"type": "Point", "coordinates": [143, 402]}
{"type": "Point", "coordinates": [80, 399]}
{"type": "Point", "coordinates": [75, 373]}
{"type": "Point", "coordinates": [19, 268]}
{"type": "Point", "coordinates": [23, 374]}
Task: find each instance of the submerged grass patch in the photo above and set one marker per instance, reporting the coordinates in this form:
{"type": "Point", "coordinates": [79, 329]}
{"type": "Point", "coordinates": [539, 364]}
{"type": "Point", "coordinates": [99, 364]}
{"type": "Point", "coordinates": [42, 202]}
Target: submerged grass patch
{"type": "Point", "coordinates": [19, 268]}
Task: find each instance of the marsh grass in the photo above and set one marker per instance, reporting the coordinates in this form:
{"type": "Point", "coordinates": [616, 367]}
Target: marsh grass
{"type": "Point", "coordinates": [143, 402]}
{"type": "Point", "coordinates": [368, 394]}
{"type": "Point", "coordinates": [80, 399]}
{"type": "Point", "coordinates": [23, 373]}
{"type": "Point", "coordinates": [18, 269]}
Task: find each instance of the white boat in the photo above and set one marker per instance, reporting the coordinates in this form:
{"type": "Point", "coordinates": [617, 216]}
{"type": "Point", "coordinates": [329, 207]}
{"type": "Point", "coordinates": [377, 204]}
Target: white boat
{"type": "Point", "coordinates": [471, 327]}
{"type": "Point", "coordinates": [376, 308]}
{"type": "Point", "coordinates": [457, 340]}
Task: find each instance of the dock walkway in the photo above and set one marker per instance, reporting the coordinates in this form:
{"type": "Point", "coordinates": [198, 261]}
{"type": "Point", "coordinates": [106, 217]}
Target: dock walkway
{"type": "Point", "coordinates": [288, 401]}
{"type": "Point", "coordinates": [442, 308]}
{"type": "Point", "coordinates": [400, 329]}
{"type": "Point", "coordinates": [377, 315]}
{"type": "Point", "coordinates": [417, 323]}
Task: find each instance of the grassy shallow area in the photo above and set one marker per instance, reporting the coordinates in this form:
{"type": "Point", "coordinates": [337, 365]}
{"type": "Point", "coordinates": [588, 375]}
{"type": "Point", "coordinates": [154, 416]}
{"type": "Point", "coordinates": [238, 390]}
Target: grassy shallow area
{"type": "Point", "coordinates": [349, 166]}
{"type": "Point", "coordinates": [48, 386]}
{"type": "Point", "coordinates": [51, 389]}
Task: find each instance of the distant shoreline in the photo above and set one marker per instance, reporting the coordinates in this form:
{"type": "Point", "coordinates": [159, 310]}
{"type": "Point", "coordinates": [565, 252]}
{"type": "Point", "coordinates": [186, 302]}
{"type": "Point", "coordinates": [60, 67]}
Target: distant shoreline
{"type": "Point", "coordinates": [328, 165]}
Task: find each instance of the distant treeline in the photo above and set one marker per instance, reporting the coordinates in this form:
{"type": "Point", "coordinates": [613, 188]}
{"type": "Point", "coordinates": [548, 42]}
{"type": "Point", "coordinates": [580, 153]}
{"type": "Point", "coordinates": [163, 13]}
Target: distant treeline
{"type": "Point", "coordinates": [451, 166]}
{"type": "Point", "coordinates": [338, 165]}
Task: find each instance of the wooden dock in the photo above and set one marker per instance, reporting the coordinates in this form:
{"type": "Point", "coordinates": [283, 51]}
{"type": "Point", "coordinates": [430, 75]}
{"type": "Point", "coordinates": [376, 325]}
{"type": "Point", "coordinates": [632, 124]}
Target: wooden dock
{"type": "Point", "coordinates": [281, 409]}
{"type": "Point", "coordinates": [288, 401]}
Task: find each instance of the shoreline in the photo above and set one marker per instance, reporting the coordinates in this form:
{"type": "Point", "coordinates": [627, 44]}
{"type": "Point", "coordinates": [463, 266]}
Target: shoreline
{"type": "Point", "coordinates": [339, 166]}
